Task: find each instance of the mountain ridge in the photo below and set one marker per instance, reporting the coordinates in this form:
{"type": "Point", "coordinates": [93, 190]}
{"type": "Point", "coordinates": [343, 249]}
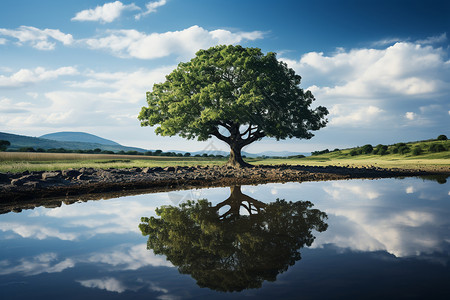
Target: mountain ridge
{"type": "Point", "coordinates": [22, 141]}
{"type": "Point", "coordinates": [77, 136]}
{"type": "Point", "coordinates": [45, 142]}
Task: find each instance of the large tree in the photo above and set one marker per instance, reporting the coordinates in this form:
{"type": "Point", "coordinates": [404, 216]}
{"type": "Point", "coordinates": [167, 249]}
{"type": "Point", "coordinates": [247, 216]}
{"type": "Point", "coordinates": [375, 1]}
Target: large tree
{"type": "Point", "coordinates": [229, 251]}
{"type": "Point", "coordinates": [239, 95]}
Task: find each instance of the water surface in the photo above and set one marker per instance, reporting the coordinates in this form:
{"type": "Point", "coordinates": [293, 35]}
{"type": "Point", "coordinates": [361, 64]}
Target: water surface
{"type": "Point", "coordinates": [321, 240]}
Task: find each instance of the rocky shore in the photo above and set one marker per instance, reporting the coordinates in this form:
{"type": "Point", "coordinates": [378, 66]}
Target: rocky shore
{"type": "Point", "coordinates": [71, 183]}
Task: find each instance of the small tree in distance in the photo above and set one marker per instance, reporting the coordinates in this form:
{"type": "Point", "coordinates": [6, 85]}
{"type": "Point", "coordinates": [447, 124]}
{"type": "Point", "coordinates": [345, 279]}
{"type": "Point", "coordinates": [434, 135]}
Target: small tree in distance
{"type": "Point", "coordinates": [239, 95]}
{"type": "Point", "coordinates": [4, 145]}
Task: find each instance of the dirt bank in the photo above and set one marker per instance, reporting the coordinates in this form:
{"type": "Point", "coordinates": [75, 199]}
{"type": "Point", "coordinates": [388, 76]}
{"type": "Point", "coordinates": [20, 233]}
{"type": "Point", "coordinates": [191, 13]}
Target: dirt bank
{"type": "Point", "coordinates": [92, 183]}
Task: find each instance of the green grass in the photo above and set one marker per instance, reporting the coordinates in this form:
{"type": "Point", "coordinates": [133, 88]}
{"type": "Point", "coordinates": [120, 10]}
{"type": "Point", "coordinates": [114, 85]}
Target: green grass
{"type": "Point", "coordinates": [16, 162]}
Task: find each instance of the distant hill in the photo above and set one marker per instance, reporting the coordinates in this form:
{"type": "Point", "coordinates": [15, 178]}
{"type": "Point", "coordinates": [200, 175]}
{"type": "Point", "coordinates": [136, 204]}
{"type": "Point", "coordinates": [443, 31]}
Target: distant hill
{"type": "Point", "coordinates": [20, 141]}
{"type": "Point", "coordinates": [83, 137]}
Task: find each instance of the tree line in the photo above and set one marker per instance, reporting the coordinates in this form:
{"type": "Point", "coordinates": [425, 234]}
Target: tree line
{"type": "Point", "coordinates": [4, 145]}
{"type": "Point", "coordinates": [399, 148]}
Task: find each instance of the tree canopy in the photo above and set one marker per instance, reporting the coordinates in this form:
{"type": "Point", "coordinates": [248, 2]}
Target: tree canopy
{"type": "Point", "coordinates": [4, 145]}
{"type": "Point", "coordinates": [236, 94]}
{"type": "Point", "coordinates": [227, 251]}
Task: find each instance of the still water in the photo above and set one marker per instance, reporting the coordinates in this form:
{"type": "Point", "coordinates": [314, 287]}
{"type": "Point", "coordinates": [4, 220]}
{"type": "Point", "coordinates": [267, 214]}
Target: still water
{"type": "Point", "coordinates": [358, 239]}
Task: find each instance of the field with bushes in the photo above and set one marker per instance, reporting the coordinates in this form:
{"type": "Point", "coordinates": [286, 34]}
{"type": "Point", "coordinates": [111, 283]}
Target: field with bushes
{"type": "Point", "coordinates": [426, 155]}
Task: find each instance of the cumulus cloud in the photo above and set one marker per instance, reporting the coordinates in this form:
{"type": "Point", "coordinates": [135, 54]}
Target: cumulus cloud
{"type": "Point", "coordinates": [349, 116]}
{"type": "Point", "coordinates": [402, 69]}
{"type": "Point", "coordinates": [364, 218]}
{"type": "Point", "coordinates": [410, 115]}
{"type": "Point", "coordinates": [132, 43]}
{"type": "Point", "coordinates": [37, 38]}
{"type": "Point", "coordinates": [109, 284]}
{"type": "Point", "coordinates": [106, 13]}
{"type": "Point", "coordinates": [42, 263]}
{"type": "Point", "coordinates": [434, 39]}
{"type": "Point", "coordinates": [151, 8]}
{"type": "Point", "coordinates": [36, 231]}
{"type": "Point", "coordinates": [28, 76]}
{"type": "Point", "coordinates": [362, 85]}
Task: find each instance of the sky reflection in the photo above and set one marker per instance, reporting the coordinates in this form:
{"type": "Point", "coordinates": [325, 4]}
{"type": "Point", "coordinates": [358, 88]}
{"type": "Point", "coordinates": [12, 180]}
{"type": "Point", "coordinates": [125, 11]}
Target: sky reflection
{"type": "Point", "coordinates": [388, 218]}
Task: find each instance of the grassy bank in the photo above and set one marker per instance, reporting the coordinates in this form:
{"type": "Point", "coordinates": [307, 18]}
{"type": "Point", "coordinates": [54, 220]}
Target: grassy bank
{"type": "Point", "coordinates": [16, 162]}
{"type": "Point", "coordinates": [401, 155]}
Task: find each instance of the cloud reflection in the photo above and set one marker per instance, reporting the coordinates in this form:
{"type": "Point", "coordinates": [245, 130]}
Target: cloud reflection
{"type": "Point", "coordinates": [42, 263]}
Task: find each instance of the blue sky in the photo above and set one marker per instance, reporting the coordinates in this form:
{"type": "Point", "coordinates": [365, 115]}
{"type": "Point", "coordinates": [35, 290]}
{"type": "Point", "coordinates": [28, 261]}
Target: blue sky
{"type": "Point", "coordinates": [382, 68]}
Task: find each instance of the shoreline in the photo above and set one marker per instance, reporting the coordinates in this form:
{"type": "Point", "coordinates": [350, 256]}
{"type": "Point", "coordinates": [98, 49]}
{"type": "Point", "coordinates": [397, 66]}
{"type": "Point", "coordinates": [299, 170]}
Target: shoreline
{"type": "Point", "coordinates": [30, 189]}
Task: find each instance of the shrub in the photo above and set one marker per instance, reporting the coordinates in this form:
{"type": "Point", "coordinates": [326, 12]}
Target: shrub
{"type": "Point", "coordinates": [381, 149]}
{"type": "Point", "coordinates": [353, 152]}
{"type": "Point", "coordinates": [442, 137]}
{"type": "Point", "coordinates": [437, 148]}
{"type": "Point", "coordinates": [417, 150]}
{"type": "Point", "coordinates": [366, 149]}
{"type": "Point", "coordinates": [4, 144]}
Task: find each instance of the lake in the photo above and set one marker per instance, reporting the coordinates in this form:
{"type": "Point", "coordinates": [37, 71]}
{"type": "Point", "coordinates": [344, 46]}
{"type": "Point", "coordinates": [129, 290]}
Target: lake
{"type": "Point", "coordinates": [355, 239]}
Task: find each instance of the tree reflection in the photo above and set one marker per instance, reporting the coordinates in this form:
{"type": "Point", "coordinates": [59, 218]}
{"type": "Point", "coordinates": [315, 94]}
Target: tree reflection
{"type": "Point", "coordinates": [231, 251]}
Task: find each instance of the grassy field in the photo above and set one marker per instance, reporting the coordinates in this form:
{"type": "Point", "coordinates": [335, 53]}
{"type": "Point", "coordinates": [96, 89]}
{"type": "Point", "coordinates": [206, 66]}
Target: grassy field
{"type": "Point", "coordinates": [16, 162]}
{"type": "Point", "coordinates": [426, 160]}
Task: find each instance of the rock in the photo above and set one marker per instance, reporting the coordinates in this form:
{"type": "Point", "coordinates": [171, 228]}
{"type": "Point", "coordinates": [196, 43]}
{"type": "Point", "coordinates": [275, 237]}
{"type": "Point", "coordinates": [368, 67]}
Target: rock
{"type": "Point", "coordinates": [82, 176]}
{"type": "Point", "coordinates": [51, 175]}
{"type": "Point", "coordinates": [70, 173]}
{"type": "Point", "coordinates": [169, 169]}
{"type": "Point", "coordinates": [4, 177]}
{"type": "Point", "coordinates": [147, 170]}
{"type": "Point", "coordinates": [33, 184]}
{"type": "Point", "coordinates": [20, 181]}
{"type": "Point", "coordinates": [87, 171]}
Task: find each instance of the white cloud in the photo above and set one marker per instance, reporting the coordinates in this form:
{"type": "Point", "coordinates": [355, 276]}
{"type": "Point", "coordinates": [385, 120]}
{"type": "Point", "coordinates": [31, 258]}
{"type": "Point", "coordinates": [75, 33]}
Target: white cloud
{"type": "Point", "coordinates": [42, 263]}
{"type": "Point", "coordinates": [106, 13]}
{"type": "Point", "coordinates": [130, 258]}
{"type": "Point", "coordinates": [405, 69]}
{"type": "Point", "coordinates": [28, 76]}
{"type": "Point", "coordinates": [349, 116]}
{"type": "Point", "coordinates": [38, 38]}
{"type": "Point", "coordinates": [109, 284]}
{"type": "Point", "coordinates": [36, 231]}
{"type": "Point", "coordinates": [434, 39]}
{"type": "Point", "coordinates": [360, 86]}
{"type": "Point", "coordinates": [132, 43]}
{"type": "Point", "coordinates": [151, 8]}
{"type": "Point", "coordinates": [410, 115]}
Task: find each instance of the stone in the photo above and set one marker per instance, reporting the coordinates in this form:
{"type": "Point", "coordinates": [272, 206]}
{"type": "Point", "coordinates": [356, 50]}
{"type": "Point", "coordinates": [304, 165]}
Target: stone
{"type": "Point", "coordinates": [51, 175]}
{"type": "Point", "coordinates": [169, 169]}
{"type": "Point", "coordinates": [4, 177]}
{"type": "Point", "coordinates": [70, 173]}
{"type": "Point", "coordinates": [147, 170]}
{"type": "Point", "coordinates": [20, 181]}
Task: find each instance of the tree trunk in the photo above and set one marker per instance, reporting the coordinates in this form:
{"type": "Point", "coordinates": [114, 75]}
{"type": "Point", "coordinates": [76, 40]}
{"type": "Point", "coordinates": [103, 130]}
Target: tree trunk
{"type": "Point", "coordinates": [236, 159]}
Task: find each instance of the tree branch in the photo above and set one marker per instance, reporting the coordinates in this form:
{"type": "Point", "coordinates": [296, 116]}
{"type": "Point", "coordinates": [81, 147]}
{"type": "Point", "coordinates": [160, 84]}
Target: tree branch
{"type": "Point", "coordinates": [221, 137]}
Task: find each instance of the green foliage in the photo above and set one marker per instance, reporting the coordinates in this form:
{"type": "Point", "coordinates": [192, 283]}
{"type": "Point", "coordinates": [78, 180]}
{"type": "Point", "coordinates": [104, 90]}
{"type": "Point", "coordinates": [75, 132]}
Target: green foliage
{"type": "Point", "coordinates": [232, 252]}
{"type": "Point", "coordinates": [366, 149]}
{"type": "Point", "coordinates": [27, 149]}
{"type": "Point", "coordinates": [381, 150]}
{"type": "Point", "coordinates": [354, 152]}
{"type": "Point", "coordinates": [241, 90]}
{"type": "Point", "coordinates": [400, 148]}
{"type": "Point", "coordinates": [437, 147]}
{"type": "Point", "coordinates": [320, 152]}
{"type": "Point", "coordinates": [4, 145]}
{"type": "Point", "coordinates": [417, 150]}
{"type": "Point", "coordinates": [442, 137]}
